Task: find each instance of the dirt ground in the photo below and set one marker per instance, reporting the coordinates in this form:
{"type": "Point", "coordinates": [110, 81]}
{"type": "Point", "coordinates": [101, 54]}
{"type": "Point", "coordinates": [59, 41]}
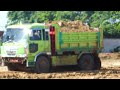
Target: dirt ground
{"type": "Point", "coordinates": [110, 70]}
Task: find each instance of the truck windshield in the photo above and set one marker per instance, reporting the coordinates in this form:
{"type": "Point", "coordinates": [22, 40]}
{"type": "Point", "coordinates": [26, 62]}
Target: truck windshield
{"type": "Point", "coordinates": [14, 34]}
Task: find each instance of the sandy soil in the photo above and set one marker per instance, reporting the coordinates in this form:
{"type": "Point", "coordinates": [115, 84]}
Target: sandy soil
{"type": "Point", "coordinates": [110, 70]}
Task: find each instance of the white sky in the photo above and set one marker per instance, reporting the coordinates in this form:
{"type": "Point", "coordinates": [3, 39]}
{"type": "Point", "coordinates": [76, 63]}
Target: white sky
{"type": "Point", "coordinates": [3, 19]}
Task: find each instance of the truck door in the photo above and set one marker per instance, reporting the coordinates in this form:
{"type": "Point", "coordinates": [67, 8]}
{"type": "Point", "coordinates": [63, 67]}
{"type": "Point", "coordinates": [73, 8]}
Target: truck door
{"type": "Point", "coordinates": [39, 41]}
{"type": "Point", "coordinates": [46, 39]}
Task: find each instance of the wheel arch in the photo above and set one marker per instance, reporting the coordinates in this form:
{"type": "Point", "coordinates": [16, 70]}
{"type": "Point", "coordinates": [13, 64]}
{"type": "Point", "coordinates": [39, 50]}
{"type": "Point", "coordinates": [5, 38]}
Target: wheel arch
{"type": "Point", "coordinates": [42, 54]}
{"type": "Point", "coordinates": [81, 54]}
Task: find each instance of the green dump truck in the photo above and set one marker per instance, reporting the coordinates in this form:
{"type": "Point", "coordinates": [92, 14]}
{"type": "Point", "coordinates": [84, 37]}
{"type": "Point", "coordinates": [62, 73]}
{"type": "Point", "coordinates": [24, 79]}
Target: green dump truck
{"type": "Point", "coordinates": [40, 47]}
{"type": "Point", "coordinates": [56, 48]}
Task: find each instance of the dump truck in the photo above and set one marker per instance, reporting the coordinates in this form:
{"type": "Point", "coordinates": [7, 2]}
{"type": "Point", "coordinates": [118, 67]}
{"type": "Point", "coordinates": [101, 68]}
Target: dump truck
{"type": "Point", "coordinates": [57, 48]}
{"type": "Point", "coordinates": [42, 46]}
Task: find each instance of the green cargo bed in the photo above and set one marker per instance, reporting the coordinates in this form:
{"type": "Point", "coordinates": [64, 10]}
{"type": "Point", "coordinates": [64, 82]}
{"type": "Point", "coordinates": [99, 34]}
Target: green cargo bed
{"type": "Point", "coordinates": [78, 41]}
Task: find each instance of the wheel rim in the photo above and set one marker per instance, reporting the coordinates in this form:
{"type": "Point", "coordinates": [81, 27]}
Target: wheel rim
{"type": "Point", "coordinates": [43, 65]}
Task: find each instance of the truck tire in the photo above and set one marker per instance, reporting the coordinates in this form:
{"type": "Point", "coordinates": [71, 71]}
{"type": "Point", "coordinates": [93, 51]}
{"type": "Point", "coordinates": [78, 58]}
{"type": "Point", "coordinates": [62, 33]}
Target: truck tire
{"type": "Point", "coordinates": [86, 62]}
{"type": "Point", "coordinates": [42, 65]}
{"type": "Point", "coordinates": [97, 63]}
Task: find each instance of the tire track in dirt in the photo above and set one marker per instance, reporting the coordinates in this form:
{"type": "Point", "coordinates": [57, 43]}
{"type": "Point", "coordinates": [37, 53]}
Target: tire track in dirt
{"type": "Point", "coordinates": [110, 70]}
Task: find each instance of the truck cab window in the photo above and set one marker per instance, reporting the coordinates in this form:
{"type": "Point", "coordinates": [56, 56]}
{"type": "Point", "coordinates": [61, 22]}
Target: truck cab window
{"type": "Point", "coordinates": [46, 35]}
{"type": "Point", "coordinates": [36, 35]}
{"type": "Point", "coordinates": [43, 30]}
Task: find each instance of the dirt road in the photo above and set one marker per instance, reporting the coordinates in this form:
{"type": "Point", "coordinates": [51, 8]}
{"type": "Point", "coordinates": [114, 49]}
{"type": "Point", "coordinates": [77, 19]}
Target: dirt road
{"type": "Point", "coordinates": [110, 70]}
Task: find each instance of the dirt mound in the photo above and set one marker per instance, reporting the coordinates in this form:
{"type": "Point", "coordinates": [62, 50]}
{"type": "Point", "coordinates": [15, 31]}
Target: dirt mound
{"type": "Point", "coordinates": [74, 26]}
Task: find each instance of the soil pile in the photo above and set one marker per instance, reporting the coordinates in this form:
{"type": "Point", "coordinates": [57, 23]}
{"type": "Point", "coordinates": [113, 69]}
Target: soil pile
{"type": "Point", "coordinates": [74, 26]}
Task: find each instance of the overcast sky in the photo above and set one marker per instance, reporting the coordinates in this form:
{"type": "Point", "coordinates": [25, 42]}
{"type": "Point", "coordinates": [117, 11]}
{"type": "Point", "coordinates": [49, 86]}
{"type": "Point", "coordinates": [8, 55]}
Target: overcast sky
{"type": "Point", "coordinates": [3, 18]}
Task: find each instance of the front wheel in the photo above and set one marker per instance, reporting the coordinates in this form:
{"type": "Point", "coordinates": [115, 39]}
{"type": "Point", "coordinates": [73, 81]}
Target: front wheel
{"type": "Point", "coordinates": [43, 65]}
{"type": "Point", "coordinates": [86, 62]}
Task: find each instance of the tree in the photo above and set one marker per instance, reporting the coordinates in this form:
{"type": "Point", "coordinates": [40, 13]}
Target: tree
{"type": "Point", "coordinates": [107, 20]}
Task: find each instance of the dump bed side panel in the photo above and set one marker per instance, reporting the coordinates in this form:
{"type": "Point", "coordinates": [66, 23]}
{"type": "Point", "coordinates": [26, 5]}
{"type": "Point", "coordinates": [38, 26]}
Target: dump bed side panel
{"type": "Point", "coordinates": [78, 41]}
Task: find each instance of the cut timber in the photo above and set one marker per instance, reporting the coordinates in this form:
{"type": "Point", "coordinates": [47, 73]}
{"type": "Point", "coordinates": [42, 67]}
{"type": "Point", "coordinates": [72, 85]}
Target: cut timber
{"type": "Point", "coordinates": [3, 68]}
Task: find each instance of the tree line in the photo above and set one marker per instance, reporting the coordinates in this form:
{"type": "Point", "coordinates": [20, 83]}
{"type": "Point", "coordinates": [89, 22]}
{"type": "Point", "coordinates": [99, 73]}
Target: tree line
{"type": "Point", "coordinates": [109, 21]}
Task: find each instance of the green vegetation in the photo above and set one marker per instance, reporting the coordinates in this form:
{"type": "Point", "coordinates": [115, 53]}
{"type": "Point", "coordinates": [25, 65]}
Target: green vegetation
{"type": "Point", "coordinates": [109, 21]}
